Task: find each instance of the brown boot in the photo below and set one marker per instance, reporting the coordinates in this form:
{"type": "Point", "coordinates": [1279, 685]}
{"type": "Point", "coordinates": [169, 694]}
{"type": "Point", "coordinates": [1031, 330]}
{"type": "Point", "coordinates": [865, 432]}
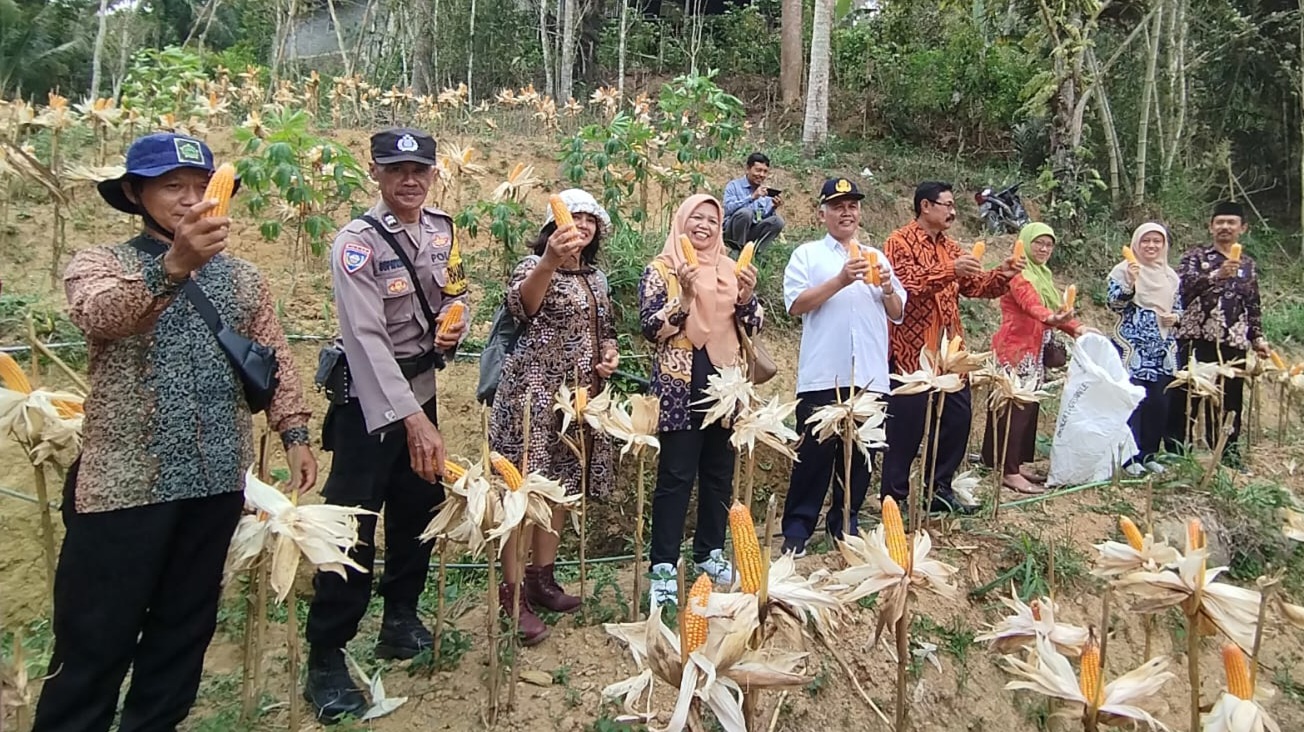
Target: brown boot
{"type": "Point", "coordinates": [542, 589]}
{"type": "Point", "coordinates": [533, 629]}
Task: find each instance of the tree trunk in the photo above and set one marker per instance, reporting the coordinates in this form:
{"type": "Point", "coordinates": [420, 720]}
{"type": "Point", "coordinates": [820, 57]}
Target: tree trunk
{"type": "Point", "coordinates": [98, 56]}
{"type": "Point", "coordinates": [422, 48]}
{"type": "Point", "coordinates": [345, 56]}
{"type": "Point", "coordinates": [124, 42]}
{"type": "Point", "coordinates": [546, 46]}
{"type": "Point", "coordinates": [790, 59]}
{"type": "Point", "coordinates": [1179, 127]}
{"type": "Point", "coordinates": [620, 53]}
{"type": "Point", "coordinates": [815, 128]}
{"type": "Point", "coordinates": [566, 59]}
{"type": "Point", "coordinates": [1116, 183]}
{"type": "Point", "coordinates": [1300, 48]}
{"type": "Point", "coordinates": [1147, 94]}
{"type": "Point", "coordinates": [470, 57]}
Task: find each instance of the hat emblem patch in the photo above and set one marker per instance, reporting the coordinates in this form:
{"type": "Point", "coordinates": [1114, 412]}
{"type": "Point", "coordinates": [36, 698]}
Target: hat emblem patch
{"type": "Point", "coordinates": [842, 186]}
{"type": "Point", "coordinates": [188, 151]}
{"type": "Point", "coordinates": [406, 143]}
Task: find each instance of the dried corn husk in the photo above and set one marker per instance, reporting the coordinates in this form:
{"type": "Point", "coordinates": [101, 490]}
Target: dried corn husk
{"type": "Point", "coordinates": [728, 392]}
{"type": "Point", "coordinates": [47, 424]}
{"type": "Point", "coordinates": [871, 569]}
{"type": "Point", "coordinates": [1116, 558]}
{"type": "Point", "coordinates": [1048, 673]}
{"type": "Point", "coordinates": [766, 425]}
{"type": "Point", "coordinates": [634, 422]}
{"type": "Point", "coordinates": [1232, 610]}
{"type": "Point", "coordinates": [321, 533]}
{"type": "Point", "coordinates": [1025, 626]}
{"type": "Point", "coordinates": [867, 409]}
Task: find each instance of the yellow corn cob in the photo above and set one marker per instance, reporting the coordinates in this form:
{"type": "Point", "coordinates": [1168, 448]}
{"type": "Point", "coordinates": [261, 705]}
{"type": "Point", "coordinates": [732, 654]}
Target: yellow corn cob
{"type": "Point", "coordinates": [453, 472]}
{"type": "Point", "coordinates": [895, 530]}
{"type": "Point", "coordinates": [747, 548]}
{"type": "Point", "coordinates": [1133, 534]}
{"type": "Point", "coordinates": [220, 188]}
{"type": "Point", "coordinates": [1129, 255]}
{"type": "Point", "coordinates": [67, 409]}
{"type": "Point", "coordinates": [745, 258]}
{"type": "Point", "coordinates": [686, 246]}
{"type": "Point", "coordinates": [1297, 369]}
{"type": "Point", "coordinates": [1276, 360]}
{"type": "Point", "coordinates": [12, 375]}
{"type": "Point", "coordinates": [872, 274]}
{"type": "Point", "coordinates": [1238, 674]}
{"type": "Point", "coordinates": [853, 250]}
{"type": "Point", "coordinates": [1235, 254]}
{"type": "Point", "coordinates": [1090, 673]}
{"type": "Point", "coordinates": [1070, 297]}
{"type": "Point", "coordinates": [1035, 605]}
{"type": "Point", "coordinates": [979, 249]}
{"type": "Point", "coordinates": [453, 316]}
{"type": "Point", "coordinates": [695, 623]}
{"type": "Point", "coordinates": [516, 172]}
{"type": "Point", "coordinates": [1019, 251]}
{"type": "Point", "coordinates": [560, 213]}
{"type": "Point", "coordinates": [1195, 534]}
{"type": "Point", "coordinates": [507, 471]}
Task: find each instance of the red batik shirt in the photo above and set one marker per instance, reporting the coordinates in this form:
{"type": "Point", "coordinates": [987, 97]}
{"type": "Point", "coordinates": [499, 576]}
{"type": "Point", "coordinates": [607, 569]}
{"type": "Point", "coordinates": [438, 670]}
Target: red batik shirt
{"type": "Point", "coordinates": [926, 267]}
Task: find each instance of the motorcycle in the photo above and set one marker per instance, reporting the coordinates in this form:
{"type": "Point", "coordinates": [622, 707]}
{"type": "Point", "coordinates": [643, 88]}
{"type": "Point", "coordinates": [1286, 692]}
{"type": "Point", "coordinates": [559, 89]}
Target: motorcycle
{"type": "Point", "coordinates": [1003, 211]}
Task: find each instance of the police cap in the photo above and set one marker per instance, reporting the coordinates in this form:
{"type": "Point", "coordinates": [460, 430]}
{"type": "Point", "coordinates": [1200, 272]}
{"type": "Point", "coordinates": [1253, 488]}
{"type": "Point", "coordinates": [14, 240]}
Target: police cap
{"type": "Point", "coordinates": [402, 145]}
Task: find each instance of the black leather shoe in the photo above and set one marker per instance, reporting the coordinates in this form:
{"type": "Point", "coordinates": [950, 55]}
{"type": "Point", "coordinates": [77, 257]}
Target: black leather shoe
{"type": "Point", "coordinates": [402, 635]}
{"type": "Point", "coordinates": [952, 506]}
{"type": "Point", "coordinates": [329, 687]}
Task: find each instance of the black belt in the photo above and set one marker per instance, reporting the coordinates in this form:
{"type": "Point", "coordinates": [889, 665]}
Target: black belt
{"type": "Point", "coordinates": [414, 366]}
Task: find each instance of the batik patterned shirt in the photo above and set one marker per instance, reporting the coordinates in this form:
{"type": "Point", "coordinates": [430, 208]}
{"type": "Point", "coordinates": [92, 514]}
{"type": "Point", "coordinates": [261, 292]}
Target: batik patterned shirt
{"type": "Point", "coordinates": [1223, 311]}
{"type": "Point", "coordinates": [166, 418]}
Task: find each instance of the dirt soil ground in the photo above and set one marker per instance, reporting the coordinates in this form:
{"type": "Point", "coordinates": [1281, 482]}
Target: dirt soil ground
{"type": "Point", "coordinates": [965, 693]}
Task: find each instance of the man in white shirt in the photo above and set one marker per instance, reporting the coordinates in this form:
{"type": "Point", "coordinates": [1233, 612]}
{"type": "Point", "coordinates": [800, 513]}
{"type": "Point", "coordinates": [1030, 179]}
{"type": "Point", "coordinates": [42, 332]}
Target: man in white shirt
{"type": "Point", "coordinates": [844, 321]}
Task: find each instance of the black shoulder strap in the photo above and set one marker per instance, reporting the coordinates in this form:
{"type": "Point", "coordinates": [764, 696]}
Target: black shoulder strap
{"type": "Point", "coordinates": [193, 292]}
{"type": "Point", "coordinates": [407, 264]}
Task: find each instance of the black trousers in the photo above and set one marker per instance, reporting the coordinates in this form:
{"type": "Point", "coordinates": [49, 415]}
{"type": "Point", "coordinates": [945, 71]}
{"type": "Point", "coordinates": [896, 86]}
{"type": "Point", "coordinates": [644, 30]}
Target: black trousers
{"type": "Point", "coordinates": [703, 455]}
{"type": "Point", "coordinates": [375, 473]}
{"type": "Point", "coordinates": [818, 464]}
{"type": "Point", "coordinates": [1233, 397]}
{"type": "Point", "coordinates": [135, 588]}
{"type": "Point", "coordinates": [1150, 422]}
{"type": "Point", "coordinates": [905, 428]}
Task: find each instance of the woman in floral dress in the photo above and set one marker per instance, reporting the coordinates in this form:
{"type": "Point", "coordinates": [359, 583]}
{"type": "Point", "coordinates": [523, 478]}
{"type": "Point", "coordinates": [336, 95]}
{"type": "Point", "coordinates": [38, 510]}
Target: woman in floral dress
{"type": "Point", "coordinates": [1144, 294]}
{"type": "Point", "coordinates": [1031, 312]}
{"type": "Point", "coordinates": [692, 314]}
{"type": "Point", "coordinates": [569, 334]}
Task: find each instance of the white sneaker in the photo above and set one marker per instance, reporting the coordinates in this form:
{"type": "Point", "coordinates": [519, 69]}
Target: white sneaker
{"type": "Point", "coordinates": [1156, 467]}
{"type": "Point", "coordinates": [717, 568]}
{"type": "Point", "coordinates": [664, 588]}
{"type": "Point", "coordinates": [1135, 470]}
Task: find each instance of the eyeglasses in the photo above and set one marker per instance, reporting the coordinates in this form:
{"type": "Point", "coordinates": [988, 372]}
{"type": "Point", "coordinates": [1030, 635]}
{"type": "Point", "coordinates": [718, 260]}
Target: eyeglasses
{"type": "Point", "coordinates": [944, 204]}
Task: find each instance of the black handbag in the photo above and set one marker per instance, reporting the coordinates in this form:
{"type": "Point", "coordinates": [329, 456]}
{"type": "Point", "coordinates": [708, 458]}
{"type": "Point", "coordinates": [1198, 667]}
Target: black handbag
{"type": "Point", "coordinates": [255, 363]}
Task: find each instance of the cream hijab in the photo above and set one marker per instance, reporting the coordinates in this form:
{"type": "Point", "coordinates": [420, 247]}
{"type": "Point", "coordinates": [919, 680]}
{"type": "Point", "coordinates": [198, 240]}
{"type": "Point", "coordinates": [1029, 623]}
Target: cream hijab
{"type": "Point", "coordinates": [710, 323]}
{"type": "Point", "coordinates": [1157, 283]}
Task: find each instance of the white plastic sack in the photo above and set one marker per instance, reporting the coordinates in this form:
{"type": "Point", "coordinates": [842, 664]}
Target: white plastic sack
{"type": "Point", "coordinates": [1091, 434]}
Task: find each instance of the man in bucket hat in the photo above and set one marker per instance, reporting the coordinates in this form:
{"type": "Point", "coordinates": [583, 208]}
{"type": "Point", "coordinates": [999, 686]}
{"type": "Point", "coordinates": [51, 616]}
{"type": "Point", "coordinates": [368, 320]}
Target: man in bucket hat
{"type": "Point", "coordinates": [396, 273]}
{"type": "Point", "coordinates": [152, 502]}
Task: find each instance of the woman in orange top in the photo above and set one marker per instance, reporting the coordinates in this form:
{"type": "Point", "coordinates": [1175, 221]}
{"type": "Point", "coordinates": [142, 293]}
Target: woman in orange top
{"type": "Point", "coordinates": [1030, 314]}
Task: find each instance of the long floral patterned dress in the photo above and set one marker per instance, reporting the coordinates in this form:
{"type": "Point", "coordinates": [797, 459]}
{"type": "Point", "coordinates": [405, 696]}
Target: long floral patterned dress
{"type": "Point", "coordinates": [572, 328]}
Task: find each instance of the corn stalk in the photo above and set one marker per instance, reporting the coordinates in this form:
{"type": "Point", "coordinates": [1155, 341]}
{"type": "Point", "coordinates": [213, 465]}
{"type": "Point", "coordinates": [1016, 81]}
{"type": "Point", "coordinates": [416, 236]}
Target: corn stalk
{"type": "Point", "coordinates": [1000, 465]}
{"type": "Point", "coordinates": [255, 613]}
{"type": "Point", "coordinates": [491, 561]}
{"type": "Point", "coordinates": [635, 604]}
{"type": "Point", "coordinates": [934, 436]}
{"type": "Point", "coordinates": [524, 535]}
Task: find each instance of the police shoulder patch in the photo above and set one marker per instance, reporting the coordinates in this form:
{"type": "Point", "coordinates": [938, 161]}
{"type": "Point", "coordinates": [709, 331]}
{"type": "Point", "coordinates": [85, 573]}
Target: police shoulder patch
{"type": "Point", "coordinates": [354, 257]}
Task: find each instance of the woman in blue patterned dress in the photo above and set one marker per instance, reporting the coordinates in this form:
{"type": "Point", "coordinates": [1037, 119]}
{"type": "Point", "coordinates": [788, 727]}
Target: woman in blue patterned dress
{"type": "Point", "coordinates": [692, 313]}
{"type": "Point", "coordinates": [1144, 294]}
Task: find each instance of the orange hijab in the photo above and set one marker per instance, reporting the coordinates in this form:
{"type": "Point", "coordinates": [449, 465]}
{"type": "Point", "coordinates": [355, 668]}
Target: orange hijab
{"type": "Point", "coordinates": [710, 323]}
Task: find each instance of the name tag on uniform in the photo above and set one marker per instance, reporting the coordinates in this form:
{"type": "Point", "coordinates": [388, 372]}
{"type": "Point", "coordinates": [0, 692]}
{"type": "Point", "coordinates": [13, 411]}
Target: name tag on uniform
{"type": "Point", "coordinates": [388, 265]}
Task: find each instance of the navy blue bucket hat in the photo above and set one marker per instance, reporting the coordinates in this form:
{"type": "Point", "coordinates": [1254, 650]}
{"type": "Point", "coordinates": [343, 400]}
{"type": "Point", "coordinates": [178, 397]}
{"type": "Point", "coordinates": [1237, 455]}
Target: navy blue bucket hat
{"type": "Point", "coordinates": [154, 155]}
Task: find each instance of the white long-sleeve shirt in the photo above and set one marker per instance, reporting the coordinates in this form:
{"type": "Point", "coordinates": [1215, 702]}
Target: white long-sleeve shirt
{"type": "Point", "coordinates": [850, 325]}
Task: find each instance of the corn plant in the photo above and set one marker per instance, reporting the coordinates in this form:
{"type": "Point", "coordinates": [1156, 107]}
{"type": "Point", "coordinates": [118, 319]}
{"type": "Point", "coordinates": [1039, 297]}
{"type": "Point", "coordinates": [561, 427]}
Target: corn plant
{"type": "Point", "coordinates": [296, 178]}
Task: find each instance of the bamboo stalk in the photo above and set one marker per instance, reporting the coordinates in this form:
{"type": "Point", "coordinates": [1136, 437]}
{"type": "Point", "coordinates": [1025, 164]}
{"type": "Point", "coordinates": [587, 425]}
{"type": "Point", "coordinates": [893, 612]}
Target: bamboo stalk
{"type": "Point", "coordinates": [47, 526]}
{"type": "Point", "coordinates": [636, 605]}
{"type": "Point", "coordinates": [915, 497]}
{"type": "Point", "coordinates": [524, 536]}
{"type": "Point", "coordinates": [442, 584]}
{"type": "Point", "coordinates": [1266, 589]}
{"type": "Point", "coordinates": [1000, 469]}
{"type": "Point", "coordinates": [903, 660]}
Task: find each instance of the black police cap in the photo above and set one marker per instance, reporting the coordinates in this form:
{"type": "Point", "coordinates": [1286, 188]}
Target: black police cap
{"type": "Point", "coordinates": [402, 145]}
{"type": "Point", "coordinates": [835, 188]}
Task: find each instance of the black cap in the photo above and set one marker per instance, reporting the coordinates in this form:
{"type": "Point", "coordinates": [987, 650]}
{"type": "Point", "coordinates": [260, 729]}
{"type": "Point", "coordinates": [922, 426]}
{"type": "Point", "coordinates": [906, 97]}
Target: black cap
{"type": "Point", "coordinates": [835, 188]}
{"type": "Point", "coordinates": [1228, 208]}
{"type": "Point", "coordinates": [402, 145]}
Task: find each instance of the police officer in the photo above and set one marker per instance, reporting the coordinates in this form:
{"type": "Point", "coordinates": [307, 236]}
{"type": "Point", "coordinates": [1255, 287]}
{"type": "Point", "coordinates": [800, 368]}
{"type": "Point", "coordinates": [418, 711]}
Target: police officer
{"type": "Point", "coordinates": [396, 271]}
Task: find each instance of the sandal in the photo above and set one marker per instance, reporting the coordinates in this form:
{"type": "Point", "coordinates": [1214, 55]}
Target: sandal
{"type": "Point", "coordinates": [1022, 485]}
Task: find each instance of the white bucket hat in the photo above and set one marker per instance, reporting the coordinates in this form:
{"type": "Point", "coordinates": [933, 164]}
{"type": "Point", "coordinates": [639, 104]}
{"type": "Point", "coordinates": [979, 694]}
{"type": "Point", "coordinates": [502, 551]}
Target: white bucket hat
{"type": "Point", "coordinates": [580, 201]}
